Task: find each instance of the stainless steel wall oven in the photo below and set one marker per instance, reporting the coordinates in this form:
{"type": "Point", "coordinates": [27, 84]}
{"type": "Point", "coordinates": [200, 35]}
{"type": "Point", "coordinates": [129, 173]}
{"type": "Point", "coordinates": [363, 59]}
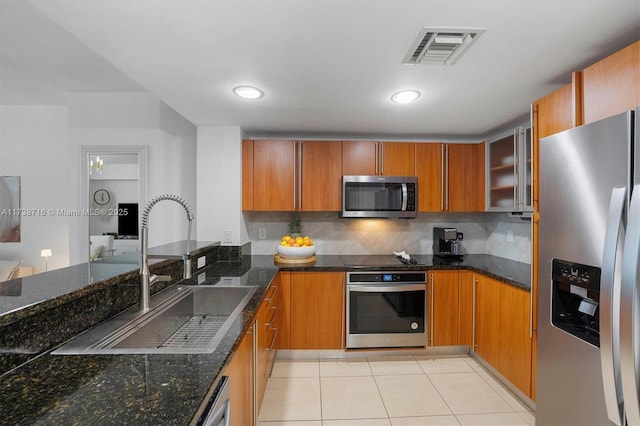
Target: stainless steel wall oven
{"type": "Point", "coordinates": [386, 309]}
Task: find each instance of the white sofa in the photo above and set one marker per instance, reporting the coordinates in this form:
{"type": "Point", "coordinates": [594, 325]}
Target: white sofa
{"type": "Point", "coordinates": [100, 246]}
{"type": "Point", "coordinates": [10, 269]}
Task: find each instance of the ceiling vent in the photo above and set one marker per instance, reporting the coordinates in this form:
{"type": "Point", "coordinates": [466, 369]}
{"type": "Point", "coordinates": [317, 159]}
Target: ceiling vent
{"type": "Point", "coordinates": [440, 45]}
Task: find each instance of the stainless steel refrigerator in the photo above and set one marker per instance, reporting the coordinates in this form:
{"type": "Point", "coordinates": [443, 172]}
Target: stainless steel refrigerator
{"type": "Point", "coordinates": [588, 301]}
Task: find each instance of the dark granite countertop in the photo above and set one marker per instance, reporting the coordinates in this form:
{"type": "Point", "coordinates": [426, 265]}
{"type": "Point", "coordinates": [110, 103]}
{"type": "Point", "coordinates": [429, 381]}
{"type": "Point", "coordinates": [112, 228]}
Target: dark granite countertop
{"type": "Point", "coordinates": [128, 389]}
{"type": "Point", "coordinates": [509, 271]}
{"type": "Point", "coordinates": [168, 389]}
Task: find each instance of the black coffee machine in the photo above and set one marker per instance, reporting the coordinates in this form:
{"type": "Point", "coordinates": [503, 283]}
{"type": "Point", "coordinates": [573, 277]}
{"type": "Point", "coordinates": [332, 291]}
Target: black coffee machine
{"type": "Point", "coordinates": [446, 243]}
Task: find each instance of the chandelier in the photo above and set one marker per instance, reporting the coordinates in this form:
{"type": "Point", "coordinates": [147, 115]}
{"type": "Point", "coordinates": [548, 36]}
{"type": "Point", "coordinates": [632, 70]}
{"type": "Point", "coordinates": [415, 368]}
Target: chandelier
{"type": "Point", "coordinates": [95, 165]}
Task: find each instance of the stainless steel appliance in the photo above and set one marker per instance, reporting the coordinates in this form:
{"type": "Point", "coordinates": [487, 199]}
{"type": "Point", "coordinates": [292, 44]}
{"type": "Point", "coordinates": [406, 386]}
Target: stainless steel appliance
{"type": "Point", "coordinates": [218, 411]}
{"type": "Point", "coordinates": [446, 242]}
{"type": "Point", "coordinates": [379, 196]}
{"type": "Point", "coordinates": [386, 309]}
{"type": "Point", "coordinates": [589, 302]}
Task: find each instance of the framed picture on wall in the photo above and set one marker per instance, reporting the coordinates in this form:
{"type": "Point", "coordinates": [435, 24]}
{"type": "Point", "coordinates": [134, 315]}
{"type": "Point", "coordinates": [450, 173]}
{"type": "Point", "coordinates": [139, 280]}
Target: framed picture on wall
{"type": "Point", "coordinates": [10, 209]}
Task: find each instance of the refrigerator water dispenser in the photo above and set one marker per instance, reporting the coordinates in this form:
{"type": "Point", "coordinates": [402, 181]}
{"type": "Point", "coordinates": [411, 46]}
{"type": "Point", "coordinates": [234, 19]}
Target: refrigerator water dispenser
{"type": "Point", "coordinates": [575, 300]}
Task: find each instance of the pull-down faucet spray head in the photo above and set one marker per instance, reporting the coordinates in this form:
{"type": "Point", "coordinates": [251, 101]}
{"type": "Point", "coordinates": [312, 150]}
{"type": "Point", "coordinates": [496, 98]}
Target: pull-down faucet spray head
{"type": "Point", "coordinates": [145, 277]}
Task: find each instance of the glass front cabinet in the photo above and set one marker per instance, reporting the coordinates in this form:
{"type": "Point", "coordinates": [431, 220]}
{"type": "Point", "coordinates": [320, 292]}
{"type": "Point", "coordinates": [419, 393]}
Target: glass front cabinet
{"type": "Point", "coordinates": [509, 168]}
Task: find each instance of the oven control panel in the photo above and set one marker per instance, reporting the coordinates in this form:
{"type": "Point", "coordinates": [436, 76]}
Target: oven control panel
{"type": "Point", "coordinates": [386, 277]}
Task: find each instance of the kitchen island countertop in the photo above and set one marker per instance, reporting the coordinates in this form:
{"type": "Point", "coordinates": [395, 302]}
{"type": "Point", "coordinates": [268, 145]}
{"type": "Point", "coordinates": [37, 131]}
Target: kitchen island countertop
{"type": "Point", "coordinates": [169, 389]}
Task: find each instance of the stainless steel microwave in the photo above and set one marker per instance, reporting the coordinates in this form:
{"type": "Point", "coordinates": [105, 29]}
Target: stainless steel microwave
{"type": "Point", "coordinates": [379, 196]}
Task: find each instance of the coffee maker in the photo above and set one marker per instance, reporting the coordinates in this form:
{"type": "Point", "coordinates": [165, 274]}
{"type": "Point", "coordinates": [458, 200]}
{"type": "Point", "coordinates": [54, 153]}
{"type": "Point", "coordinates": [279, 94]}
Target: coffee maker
{"type": "Point", "coordinates": [446, 243]}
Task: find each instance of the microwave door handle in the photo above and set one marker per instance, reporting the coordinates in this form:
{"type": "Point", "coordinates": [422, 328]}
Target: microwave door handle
{"type": "Point", "coordinates": [630, 313]}
{"type": "Point", "coordinates": [610, 308]}
{"type": "Point", "coordinates": [404, 197]}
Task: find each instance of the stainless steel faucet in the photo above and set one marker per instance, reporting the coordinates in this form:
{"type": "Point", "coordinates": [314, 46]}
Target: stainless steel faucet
{"type": "Point", "coordinates": [146, 279]}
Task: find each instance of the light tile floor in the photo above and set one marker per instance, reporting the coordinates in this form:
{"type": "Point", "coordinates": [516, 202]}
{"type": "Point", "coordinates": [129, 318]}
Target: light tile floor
{"type": "Point", "coordinates": [398, 390]}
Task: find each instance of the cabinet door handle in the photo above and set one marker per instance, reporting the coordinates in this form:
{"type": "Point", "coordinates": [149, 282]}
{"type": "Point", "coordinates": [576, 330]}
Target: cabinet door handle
{"type": "Point", "coordinates": [375, 158]}
{"type": "Point", "coordinates": [273, 339]}
{"type": "Point", "coordinates": [381, 158]}
{"type": "Point", "coordinates": [298, 182]}
{"type": "Point", "coordinates": [473, 315]}
{"type": "Point", "coordinates": [431, 315]}
{"type": "Point", "coordinates": [295, 175]}
{"type": "Point", "coordinates": [442, 176]}
{"type": "Point", "coordinates": [275, 290]}
{"type": "Point", "coordinates": [446, 163]}
{"type": "Point", "coordinates": [516, 159]}
{"type": "Point", "coordinates": [273, 317]}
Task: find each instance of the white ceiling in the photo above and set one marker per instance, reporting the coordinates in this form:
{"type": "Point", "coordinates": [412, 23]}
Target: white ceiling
{"type": "Point", "coordinates": [327, 67]}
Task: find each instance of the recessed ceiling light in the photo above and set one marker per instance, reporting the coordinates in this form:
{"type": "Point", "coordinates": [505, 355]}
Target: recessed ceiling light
{"type": "Point", "coordinates": [248, 92]}
{"type": "Point", "coordinates": [405, 96]}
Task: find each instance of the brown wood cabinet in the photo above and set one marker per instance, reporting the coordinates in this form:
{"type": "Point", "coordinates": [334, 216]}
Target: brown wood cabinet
{"type": "Point", "coordinates": [321, 176]}
{"type": "Point", "coordinates": [317, 310]}
{"type": "Point", "coordinates": [241, 374]}
{"type": "Point", "coordinates": [515, 336]}
{"type": "Point", "coordinates": [503, 334]}
{"type": "Point", "coordinates": [429, 170]}
{"type": "Point", "coordinates": [451, 177]}
{"type": "Point", "coordinates": [466, 172]}
{"type": "Point", "coordinates": [466, 308]}
{"type": "Point", "coordinates": [269, 318]}
{"type": "Point", "coordinates": [486, 342]}
{"type": "Point", "coordinates": [272, 173]}
{"type": "Point", "coordinates": [283, 280]}
{"type": "Point", "coordinates": [451, 308]}
{"type": "Point", "coordinates": [284, 175]}
{"type": "Point", "coordinates": [443, 296]}
{"type": "Point", "coordinates": [378, 158]}
{"type": "Point", "coordinates": [612, 85]}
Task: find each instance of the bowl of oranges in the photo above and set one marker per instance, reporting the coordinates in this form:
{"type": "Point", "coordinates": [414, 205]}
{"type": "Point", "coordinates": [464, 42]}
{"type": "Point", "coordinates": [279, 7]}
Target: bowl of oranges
{"type": "Point", "coordinates": [294, 247]}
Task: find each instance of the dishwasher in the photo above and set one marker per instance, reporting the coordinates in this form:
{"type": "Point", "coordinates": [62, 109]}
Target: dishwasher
{"type": "Point", "coordinates": [218, 411]}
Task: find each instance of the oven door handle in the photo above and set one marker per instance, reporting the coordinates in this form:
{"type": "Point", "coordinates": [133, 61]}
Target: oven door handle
{"type": "Point", "coordinates": [386, 288]}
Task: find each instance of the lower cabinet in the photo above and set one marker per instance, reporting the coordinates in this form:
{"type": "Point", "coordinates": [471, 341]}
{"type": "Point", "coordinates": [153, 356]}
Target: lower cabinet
{"type": "Point", "coordinates": [503, 330]}
{"type": "Point", "coordinates": [269, 318]}
{"type": "Point", "coordinates": [253, 360]}
{"type": "Point", "coordinates": [443, 307]}
{"type": "Point", "coordinates": [241, 381]}
{"type": "Point", "coordinates": [467, 308]}
{"type": "Point", "coordinates": [451, 308]}
{"type": "Point", "coordinates": [316, 311]}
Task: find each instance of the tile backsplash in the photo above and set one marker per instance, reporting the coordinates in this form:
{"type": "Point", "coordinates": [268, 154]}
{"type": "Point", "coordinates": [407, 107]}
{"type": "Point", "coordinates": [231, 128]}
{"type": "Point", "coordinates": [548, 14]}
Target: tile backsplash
{"type": "Point", "coordinates": [484, 233]}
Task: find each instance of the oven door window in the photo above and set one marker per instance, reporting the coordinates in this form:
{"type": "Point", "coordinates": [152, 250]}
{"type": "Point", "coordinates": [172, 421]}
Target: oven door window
{"type": "Point", "coordinates": [386, 312]}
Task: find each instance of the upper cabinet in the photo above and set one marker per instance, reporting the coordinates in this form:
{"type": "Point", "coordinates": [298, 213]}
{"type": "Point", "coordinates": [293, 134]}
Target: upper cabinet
{"type": "Point", "coordinates": [465, 177]}
{"type": "Point", "coordinates": [551, 114]}
{"type": "Point", "coordinates": [509, 171]}
{"type": "Point", "coordinates": [378, 158]}
{"type": "Point", "coordinates": [269, 175]}
{"type": "Point", "coordinates": [450, 177]}
{"type": "Point", "coordinates": [283, 175]}
{"type": "Point", "coordinates": [612, 85]}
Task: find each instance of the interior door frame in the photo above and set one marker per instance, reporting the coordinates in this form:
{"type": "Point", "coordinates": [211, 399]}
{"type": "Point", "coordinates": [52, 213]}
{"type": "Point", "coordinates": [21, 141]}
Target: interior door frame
{"type": "Point", "coordinates": [88, 151]}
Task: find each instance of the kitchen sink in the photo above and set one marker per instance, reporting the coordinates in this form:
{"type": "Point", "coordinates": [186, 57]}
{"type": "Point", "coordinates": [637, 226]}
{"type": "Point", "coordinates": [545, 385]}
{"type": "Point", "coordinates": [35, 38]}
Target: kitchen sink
{"type": "Point", "coordinates": [183, 320]}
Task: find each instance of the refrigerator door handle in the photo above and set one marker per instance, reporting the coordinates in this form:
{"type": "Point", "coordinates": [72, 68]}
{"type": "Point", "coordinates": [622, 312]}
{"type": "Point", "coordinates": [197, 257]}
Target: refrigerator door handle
{"type": "Point", "coordinates": [630, 313]}
{"type": "Point", "coordinates": [610, 309]}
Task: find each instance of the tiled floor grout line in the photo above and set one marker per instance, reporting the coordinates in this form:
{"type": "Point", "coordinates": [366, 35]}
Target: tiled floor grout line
{"type": "Point", "coordinates": [437, 391]}
{"type": "Point", "coordinates": [386, 409]}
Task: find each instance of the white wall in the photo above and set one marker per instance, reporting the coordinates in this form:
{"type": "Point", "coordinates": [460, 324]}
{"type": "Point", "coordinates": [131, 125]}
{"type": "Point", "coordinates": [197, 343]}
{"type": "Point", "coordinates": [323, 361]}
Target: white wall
{"type": "Point", "coordinates": [34, 145]}
{"type": "Point", "coordinates": [141, 119]}
{"type": "Point", "coordinates": [220, 185]}
{"type": "Point", "coordinates": [42, 145]}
